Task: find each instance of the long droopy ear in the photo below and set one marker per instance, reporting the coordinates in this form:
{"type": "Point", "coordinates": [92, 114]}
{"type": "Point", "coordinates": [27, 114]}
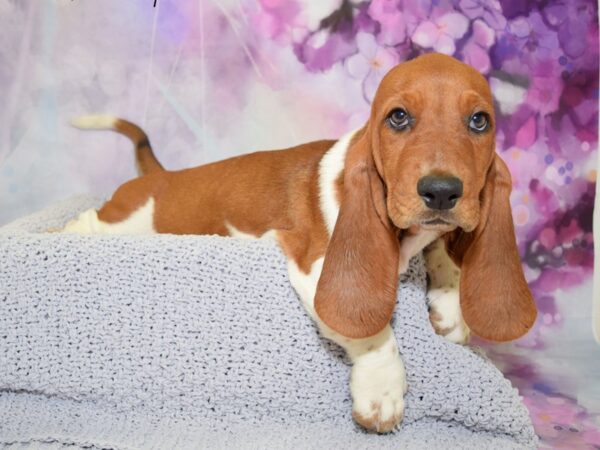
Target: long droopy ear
{"type": "Point", "coordinates": [356, 293]}
{"type": "Point", "coordinates": [494, 297]}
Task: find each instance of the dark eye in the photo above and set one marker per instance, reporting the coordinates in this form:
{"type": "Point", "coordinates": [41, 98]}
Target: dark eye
{"type": "Point", "coordinates": [398, 119]}
{"type": "Point", "coordinates": [479, 122]}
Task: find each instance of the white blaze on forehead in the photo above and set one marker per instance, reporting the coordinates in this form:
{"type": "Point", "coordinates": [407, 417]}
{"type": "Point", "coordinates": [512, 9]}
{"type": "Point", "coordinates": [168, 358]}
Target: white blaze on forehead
{"type": "Point", "coordinates": [330, 168]}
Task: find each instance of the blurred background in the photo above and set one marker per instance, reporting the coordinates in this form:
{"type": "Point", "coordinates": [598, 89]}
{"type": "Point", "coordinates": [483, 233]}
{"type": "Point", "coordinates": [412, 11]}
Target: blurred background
{"type": "Point", "coordinates": [209, 79]}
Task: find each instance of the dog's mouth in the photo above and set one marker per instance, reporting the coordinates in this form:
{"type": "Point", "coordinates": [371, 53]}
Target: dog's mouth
{"type": "Point", "coordinates": [439, 222]}
{"type": "Point", "coordinates": [435, 222]}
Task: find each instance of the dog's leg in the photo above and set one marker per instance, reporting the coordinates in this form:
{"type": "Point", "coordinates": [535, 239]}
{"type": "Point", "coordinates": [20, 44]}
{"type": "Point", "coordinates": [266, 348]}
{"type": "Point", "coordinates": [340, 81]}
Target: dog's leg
{"type": "Point", "coordinates": [139, 221]}
{"type": "Point", "coordinates": [413, 243]}
{"type": "Point", "coordinates": [443, 295]}
{"type": "Point", "coordinates": [86, 223]}
{"type": "Point", "coordinates": [378, 380]}
{"type": "Point", "coordinates": [130, 210]}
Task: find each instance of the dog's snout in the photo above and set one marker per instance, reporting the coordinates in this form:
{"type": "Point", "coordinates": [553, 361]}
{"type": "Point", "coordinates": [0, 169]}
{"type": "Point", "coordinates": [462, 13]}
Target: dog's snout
{"type": "Point", "coordinates": [440, 192]}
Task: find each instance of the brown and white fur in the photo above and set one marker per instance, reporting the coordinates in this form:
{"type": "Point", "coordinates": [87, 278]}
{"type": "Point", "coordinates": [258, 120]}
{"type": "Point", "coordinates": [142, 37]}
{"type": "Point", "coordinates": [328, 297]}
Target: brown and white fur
{"type": "Point", "coordinates": [348, 216]}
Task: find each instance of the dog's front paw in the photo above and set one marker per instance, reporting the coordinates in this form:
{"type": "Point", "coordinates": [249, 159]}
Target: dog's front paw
{"type": "Point", "coordinates": [446, 317]}
{"type": "Point", "coordinates": [377, 385]}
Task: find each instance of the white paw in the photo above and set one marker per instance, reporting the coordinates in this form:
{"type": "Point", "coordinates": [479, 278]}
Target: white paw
{"type": "Point", "coordinates": [445, 315]}
{"type": "Point", "coordinates": [377, 385]}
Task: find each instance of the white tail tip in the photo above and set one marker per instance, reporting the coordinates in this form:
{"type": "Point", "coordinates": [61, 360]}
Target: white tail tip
{"type": "Point", "coordinates": [95, 122]}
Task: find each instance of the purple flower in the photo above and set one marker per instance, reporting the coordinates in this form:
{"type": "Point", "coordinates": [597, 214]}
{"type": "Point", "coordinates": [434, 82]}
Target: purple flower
{"type": "Point", "coordinates": [391, 19]}
{"type": "Point", "coordinates": [488, 10]}
{"type": "Point", "coordinates": [441, 33]}
{"type": "Point", "coordinates": [530, 37]}
{"type": "Point", "coordinates": [370, 64]}
{"type": "Point", "coordinates": [476, 50]}
{"type": "Point", "coordinates": [544, 94]}
{"type": "Point", "coordinates": [574, 19]}
{"type": "Point", "coordinates": [321, 50]}
{"type": "Point", "coordinates": [335, 39]}
{"type": "Point", "coordinates": [514, 8]}
{"type": "Point", "coordinates": [525, 42]}
{"type": "Point", "coordinates": [518, 129]}
{"type": "Point", "coordinates": [275, 18]}
{"type": "Point", "coordinates": [527, 133]}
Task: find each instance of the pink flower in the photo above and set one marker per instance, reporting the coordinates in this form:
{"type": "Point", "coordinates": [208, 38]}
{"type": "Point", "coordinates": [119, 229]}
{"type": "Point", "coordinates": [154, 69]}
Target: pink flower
{"type": "Point", "coordinates": [560, 422]}
{"type": "Point", "coordinates": [531, 37]}
{"type": "Point", "coordinates": [544, 94]}
{"type": "Point", "coordinates": [476, 51]}
{"type": "Point", "coordinates": [441, 33]}
{"type": "Point", "coordinates": [391, 19]}
{"type": "Point", "coordinates": [527, 133]}
{"type": "Point", "coordinates": [370, 64]}
{"type": "Point", "coordinates": [488, 10]}
{"type": "Point", "coordinates": [275, 18]}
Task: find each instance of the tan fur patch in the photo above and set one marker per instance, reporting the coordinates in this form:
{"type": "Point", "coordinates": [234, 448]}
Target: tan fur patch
{"type": "Point", "coordinates": [435, 318]}
{"type": "Point", "coordinates": [373, 422]}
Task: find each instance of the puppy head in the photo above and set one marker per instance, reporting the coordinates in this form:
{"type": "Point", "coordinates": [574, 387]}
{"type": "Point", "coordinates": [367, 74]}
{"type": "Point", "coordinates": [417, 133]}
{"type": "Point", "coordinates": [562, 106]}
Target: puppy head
{"type": "Point", "coordinates": [426, 158]}
{"type": "Point", "coordinates": [433, 131]}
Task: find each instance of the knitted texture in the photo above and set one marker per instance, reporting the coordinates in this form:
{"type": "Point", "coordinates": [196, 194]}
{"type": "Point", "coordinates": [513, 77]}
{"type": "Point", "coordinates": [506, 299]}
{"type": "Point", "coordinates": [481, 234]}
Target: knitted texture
{"type": "Point", "coordinates": [160, 342]}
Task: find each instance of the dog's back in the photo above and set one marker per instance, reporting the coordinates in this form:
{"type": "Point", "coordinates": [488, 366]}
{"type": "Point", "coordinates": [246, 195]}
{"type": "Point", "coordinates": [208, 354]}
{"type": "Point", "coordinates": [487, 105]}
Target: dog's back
{"type": "Point", "coordinates": [206, 199]}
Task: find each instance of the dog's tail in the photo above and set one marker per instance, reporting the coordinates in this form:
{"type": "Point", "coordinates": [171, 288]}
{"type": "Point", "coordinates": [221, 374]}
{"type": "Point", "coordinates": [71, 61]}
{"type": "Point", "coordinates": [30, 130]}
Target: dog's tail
{"type": "Point", "coordinates": [144, 156]}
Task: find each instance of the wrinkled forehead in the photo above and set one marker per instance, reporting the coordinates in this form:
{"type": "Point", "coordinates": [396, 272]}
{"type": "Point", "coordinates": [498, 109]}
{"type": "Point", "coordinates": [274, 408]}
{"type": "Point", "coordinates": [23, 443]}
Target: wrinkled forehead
{"type": "Point", "coordinates": [434, 76]}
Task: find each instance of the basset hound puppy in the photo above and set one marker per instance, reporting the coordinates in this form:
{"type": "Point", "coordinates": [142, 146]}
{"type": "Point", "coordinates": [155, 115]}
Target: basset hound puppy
{"type": "Point", "coordinates": [422, 173]}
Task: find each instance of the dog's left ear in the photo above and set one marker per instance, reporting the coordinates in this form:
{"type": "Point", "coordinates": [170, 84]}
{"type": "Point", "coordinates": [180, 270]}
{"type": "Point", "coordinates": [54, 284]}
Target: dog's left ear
{"type": "Point", "coordinates": [495, 300]}
{"type": "Point", "coordinates": [356, 293]}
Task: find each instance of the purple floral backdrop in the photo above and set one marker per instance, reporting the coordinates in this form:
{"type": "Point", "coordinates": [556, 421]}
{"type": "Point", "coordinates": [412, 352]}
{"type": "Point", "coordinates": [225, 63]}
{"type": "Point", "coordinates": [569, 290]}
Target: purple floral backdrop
{"type": "Point", "coordinates": [211, 79]}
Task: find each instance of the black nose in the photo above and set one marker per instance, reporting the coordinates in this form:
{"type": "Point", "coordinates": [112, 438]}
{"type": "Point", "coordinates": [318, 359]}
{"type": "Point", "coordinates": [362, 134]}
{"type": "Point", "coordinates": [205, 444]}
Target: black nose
{"type": "Point", "coordinates": [440, 192]}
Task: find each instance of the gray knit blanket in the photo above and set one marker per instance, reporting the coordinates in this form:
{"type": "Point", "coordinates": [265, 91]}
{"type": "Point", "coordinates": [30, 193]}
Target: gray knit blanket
{"type": "Point", "coordinates": [199, 342]}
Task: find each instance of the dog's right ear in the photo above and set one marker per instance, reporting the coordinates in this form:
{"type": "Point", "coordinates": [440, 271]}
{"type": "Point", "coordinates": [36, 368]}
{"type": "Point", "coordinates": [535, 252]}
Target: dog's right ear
{"type": "Point", "coordinates": [356, 293]}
